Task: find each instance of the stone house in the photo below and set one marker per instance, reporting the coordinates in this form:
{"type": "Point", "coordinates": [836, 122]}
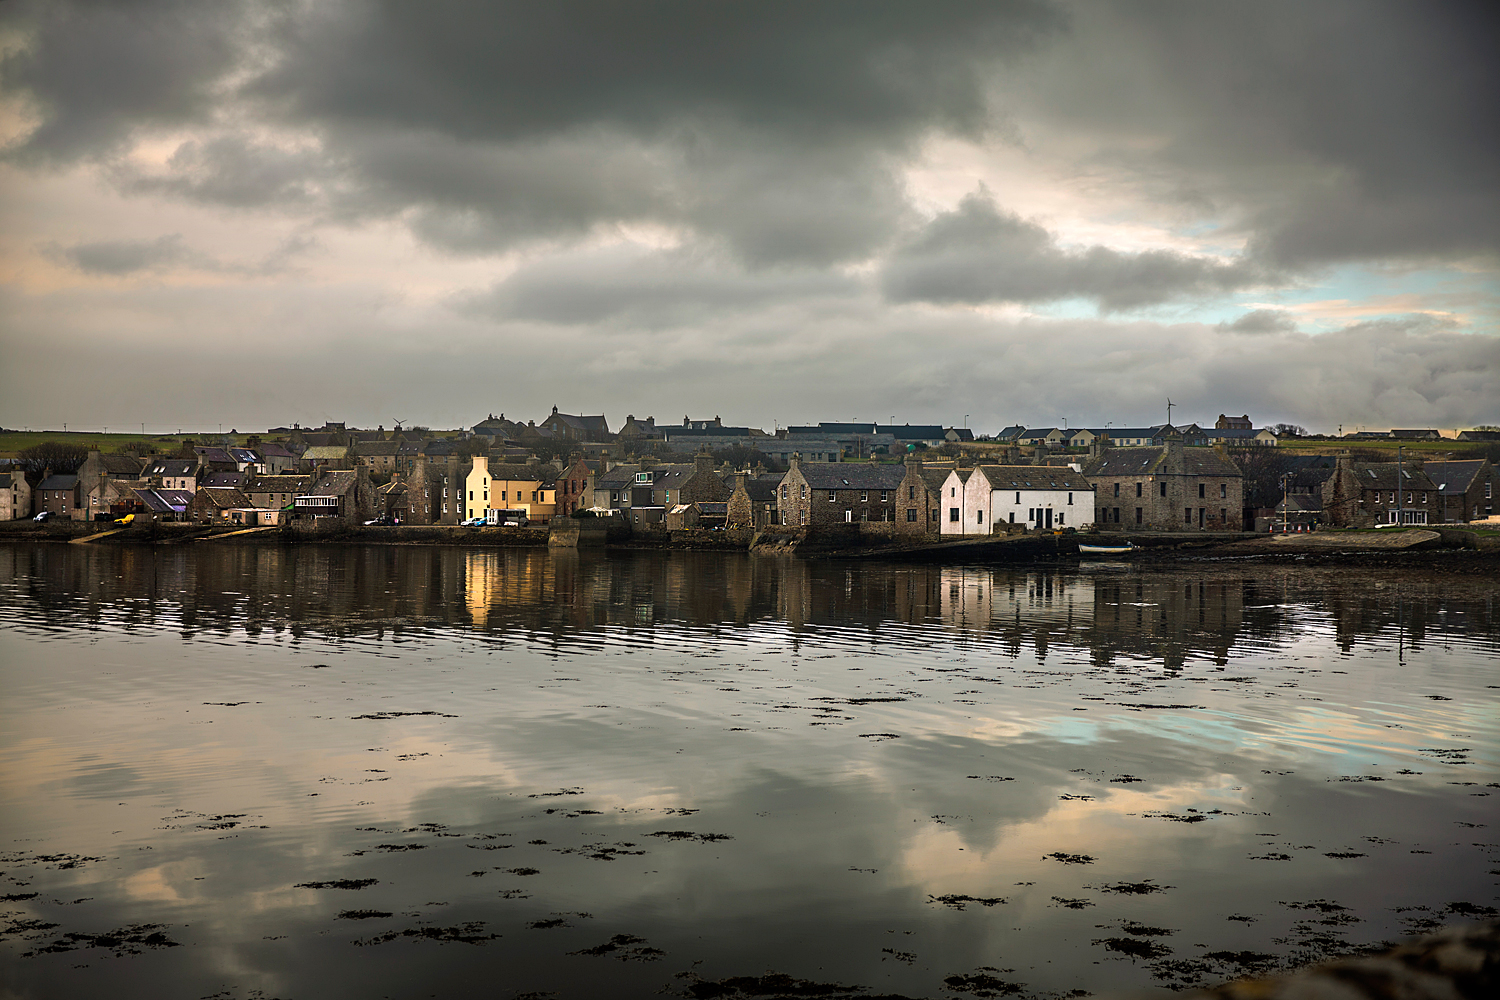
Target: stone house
{"type": "Point", "coordinates": [224, 480]}
{"type": "Point", "coordinates": [573, 427]}
{"type": "Point", "coordinates": [276, 459]}
{"type": "Point", "coordinates": [634, 429]}
{"type": "Point", "coordinates": [814, 494]}
{"type": "Point", "coordinates": [391, 500]}
{"type": "Point", "coordinates": [1035, 497]}
{"type": "Point", "coordinates": [1364, 494]}
{"type": "Point", "coordinates": [1468, 489]}
{"type": "Point", "coordinates": [275, 491]}
{"type": "Point", "coordinates": [1233, 423]}
{"type": "Point", "coordinates": [380, 457]}
{"type": "Point", "coordinates": [99, 479]}
{"type": "Point", "coordinates": [343, 495]}
{"type": "Point", "coordinates": [1170, 488]}
{"type": "Point", "coordinates": [327, 456]}
{"type": "Point", "coordinates": [646, 486]}
{"type": "Point", "coordinates": [174, 473]}
{"type": "Point", "coordinates": [918, 498]}
{"type": "Point", "coordinates": [752, 504]}
{"type": "Point", "coordinates": [15, 496]}
{"type": "Point", "coordinates": [211, 505]}
{"type": "Point", "coordinates": [435, 489]}
{"type": "Point", "coordinates": [573, 485]}
{"type": "Point", "coordinates": [163, 504]}
{"type": "Point", "coordinates": [699, 514]}
{"type": "Point", "coordinates": [58, 494]}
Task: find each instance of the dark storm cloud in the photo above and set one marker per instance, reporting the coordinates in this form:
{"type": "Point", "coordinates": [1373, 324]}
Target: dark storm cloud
{"type": "Point", "coordinates": [1339, 130]}
{"type": "Point", "coordinates": [98, 71]}
{"type": "Point", "coordinates": [1260, 321]}
{"type": "Point", "coordinates": [977, 254]}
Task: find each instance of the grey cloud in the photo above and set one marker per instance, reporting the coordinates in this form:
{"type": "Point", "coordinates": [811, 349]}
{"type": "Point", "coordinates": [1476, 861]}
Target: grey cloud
{"type": "Point", "coordinates": [628, 288]}
{"type": "Point", "coordinates": [97, 71]}
{"type": "Point", "coordinates": [1260, 321]}
{"type": "Point", "coordinates": [121, 257]}
{"type": "Point", "coordinates": [1343, 130]}
{"type": "Point", "coordinates": [233, 170]}
{"type": "Point", "coordinates": [978, 253]}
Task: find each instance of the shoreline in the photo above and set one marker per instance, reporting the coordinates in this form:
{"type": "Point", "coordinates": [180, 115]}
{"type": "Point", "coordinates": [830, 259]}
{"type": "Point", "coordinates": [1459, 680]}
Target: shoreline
{"type": "Point", "coordinates": [1455, 550]}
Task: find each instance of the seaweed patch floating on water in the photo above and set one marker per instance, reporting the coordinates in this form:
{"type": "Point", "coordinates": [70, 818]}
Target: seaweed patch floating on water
{"type": "Point", "coordinates": [361, 915]}
{"type": "Point", "coordinates": [1132, 888]}
{"type": "Point", "coordinates": [342, 883]}
{"type": "Point", "coordinates": [1073, 904]}
{"type": "Point", "coordinates": [1070, 859]}
{"type": "Point", "coordinates": [399, 715]}
{"type": "Point", "coordinates": [626, 948]}
{"type": "Point", "coordinates": [387, 849]}
{"type": "Point", "coordinates": [772, 984]}
{"type": "Point", "coordinates": [706, 838]}
{"type": "Point", "coordinates": [471, 932]}
{"type": "Point", "coordinates": [1135, 947]}
{"type": "Point", "coordinates": [982, 984]}
{"type": "Point", "coordinates": [878, 737]}
{"type": "Point", "coordinates": [131, 940]}
{"type": "Point", "coordinates": [958, 902]}
{"type": "Point", "coordinates": [989, 777]}
{"type": "Point", "coordinates": [556, 794]}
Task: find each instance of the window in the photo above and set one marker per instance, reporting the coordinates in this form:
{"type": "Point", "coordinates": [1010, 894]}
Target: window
{"type": "Point", "coordinates": [1487, 487]}
{"type": "Point", "coordinates": [471, 494]}
{"type": "Point", "coordinates": [1201, 488]}
{"type": "Point", "coordinates": [911, 493]}
{"type": "Point", "coordinates": [783, 491]}
{"type": "Point", "coordinates": [864, 496]}
{"type": "Point", "coordinates": [533, 495]}
{"type": "Point", "coordinates": [1224, 516]}
{"type": "Point", "coordinates": [832, 496]}
{"type": "Point", "coordinates": [953, 491]}
{"type": "Point", "coordinates": [1059, 518]}
{"type": "Point", "coordinates": [1070, 499]}
{"type": "Point", "coordinates": [848, 516]}
{"type": "Point", "coordinates": [979, 517]}
{"type": "Point", "coordinates": [1187, 515]}
{"type": "Point", "coordinates": [1138, 515]}
{"type": "Point", "coordinates": [1031, 513]}
{"type": "Point", "coordinates": [1117, 515]}
{"type": "Point", "coordinates": [1163, 485]}
{"type": "Point", "coordinates": [1137, 489]}
{"type": "Point", "coordinates": [1012, 517]}
{"type": "Point", "coordinates": [953, 514]}
{"type": "Point", "coordinates": [911, 513]}
{"type": "Point", "coordinates": [885, 496]}
{"type": "Point", "coordinates": [1223, 491]}
{"type": "Point", "coordinates": [1117, 489]}
{"type": "Point", "coordinates": [1018, 498]}
{"type": "Point", "coordinates": [1424, 497]}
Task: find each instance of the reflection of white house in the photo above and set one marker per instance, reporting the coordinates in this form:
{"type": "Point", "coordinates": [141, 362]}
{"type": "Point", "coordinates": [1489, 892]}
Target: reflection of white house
{"type": "Point", "coordinates": [1051, 604]}
{"type": "Point", "coordinates": [1037, 497]}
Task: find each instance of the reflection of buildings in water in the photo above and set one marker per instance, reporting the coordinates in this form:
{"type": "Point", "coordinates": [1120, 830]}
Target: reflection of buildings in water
{"type": "Point", "coordinates": [1167, 617]}
{"type": "Point", "coordinates": [1162, 618]}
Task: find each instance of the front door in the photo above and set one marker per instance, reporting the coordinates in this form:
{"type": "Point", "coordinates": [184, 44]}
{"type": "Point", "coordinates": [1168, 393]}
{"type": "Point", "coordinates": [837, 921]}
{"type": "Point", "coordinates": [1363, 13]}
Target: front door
{"type": "Point", "coordinates": [1049, 518]}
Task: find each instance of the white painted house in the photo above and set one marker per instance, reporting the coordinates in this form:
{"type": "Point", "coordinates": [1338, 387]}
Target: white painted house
{"type": "Point", "coordinates": [1038, 497]}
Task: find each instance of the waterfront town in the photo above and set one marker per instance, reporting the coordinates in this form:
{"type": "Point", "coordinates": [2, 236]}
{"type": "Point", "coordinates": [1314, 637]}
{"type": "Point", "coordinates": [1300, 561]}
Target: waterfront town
{"type": "Point", "coordinates": [890, 480]}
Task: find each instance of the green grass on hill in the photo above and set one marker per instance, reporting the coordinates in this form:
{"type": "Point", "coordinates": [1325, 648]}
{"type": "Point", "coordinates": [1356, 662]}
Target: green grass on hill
{"type": "Point", "coordinates": [14, 442]}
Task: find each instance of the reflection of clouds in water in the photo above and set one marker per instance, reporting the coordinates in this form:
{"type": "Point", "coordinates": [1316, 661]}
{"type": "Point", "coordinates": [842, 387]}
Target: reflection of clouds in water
{"type": "Point", "coordinates": [748, 710]}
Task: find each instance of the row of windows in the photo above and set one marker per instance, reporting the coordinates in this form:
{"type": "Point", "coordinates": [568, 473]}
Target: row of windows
{"type": "Point", "coordinates": [864, 496]}
{"type": "Point", "coordinates": [1162, 489]}
{"type": "Point", "coordinates": [1032, 514]}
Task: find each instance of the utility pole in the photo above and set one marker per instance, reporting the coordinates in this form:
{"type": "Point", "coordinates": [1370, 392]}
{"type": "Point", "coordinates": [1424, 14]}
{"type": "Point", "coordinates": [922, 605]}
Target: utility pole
{"type": "Point", "coordinates": [1400, 486]}
{"type": "Point", "coordinates": [1284, 477]}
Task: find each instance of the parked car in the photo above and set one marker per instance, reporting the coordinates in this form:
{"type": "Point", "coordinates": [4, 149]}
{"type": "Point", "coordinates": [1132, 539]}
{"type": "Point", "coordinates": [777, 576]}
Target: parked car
{"type": "Point", "coordinates": [45, 515]}
{"type": "Point", "coordinates": [473, 522]}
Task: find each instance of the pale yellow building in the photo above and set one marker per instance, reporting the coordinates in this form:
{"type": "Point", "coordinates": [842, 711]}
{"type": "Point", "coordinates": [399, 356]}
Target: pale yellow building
{"type": "Point", "coordinates": [532, 488]}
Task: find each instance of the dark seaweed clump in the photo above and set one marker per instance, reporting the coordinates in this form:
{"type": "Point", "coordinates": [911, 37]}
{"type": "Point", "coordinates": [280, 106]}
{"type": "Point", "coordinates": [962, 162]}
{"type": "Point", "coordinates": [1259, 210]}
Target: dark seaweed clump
{"type": "Point", "coordinates": [341, 883]}
{"type": "Point", "coordinates": [626, 948]}
{"type": "Point", "coordinates": [131, 940]}
{"type": "Point", "coordinates": [959, 902]}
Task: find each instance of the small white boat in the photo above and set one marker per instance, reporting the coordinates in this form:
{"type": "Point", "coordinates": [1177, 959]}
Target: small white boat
{"type": "Point", "coordinates": [1117, 549]}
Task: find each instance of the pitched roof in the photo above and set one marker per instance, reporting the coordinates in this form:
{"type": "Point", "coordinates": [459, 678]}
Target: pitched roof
{"type": "Point", "coordinates": [274, 450]}
{"type": "Point", "coordinates": [1382, 476]}
{"type": "Point", "coordinates": [1454, 477]}
{"type": "Point", "coordinates": [165, 501]}
{"type": "Point", "coordinates": [325, 451]}
{"type": "Point", "coordinates": [59, 482]}
{"type": "Point", "coordinates": [117, 464]}
{"type": "Point", "coordinates": [851, 475]}
{"type": "Point", "coordinates": [223, 480]}
{"type": "Point", "coordinates": [334, 484]}
{"type": "Point", "coordinates": [1034, 477]}
{"type": "Point", "coordinates": [1151, 461]}
{"type": "Point", "coordinates": [224, 499]}
{"type": "Point", "coordinates": [276, 484]}
{"type": "Point", "coordinates": [176, 467]}
{"type": "Point", "coordinates": [211, 454]}
{"type": "Point", "coordinates": [377, 447]}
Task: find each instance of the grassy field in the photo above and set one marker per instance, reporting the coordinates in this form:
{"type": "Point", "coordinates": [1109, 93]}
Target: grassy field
{"type": "Point", "coordinates": [13, 442]}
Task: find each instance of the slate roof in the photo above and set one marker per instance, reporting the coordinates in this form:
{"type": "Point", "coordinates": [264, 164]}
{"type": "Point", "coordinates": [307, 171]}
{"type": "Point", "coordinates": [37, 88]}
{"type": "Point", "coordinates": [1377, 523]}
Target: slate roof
{"type": "Point", "coordinates": [172, 467]}
{"type": "Point", "coordinates": [276, 484]}
{"type": "Point", "coordinates": [334, 484]}
{"type": "Point", "coordinates": [274, 450]}
{"type": "Point", "coordinates": [58, 482]}
{"type": "Point", "coordinates": [208, 454]}
{"type": "Point", "coordinates": [1454, 477]}
{"type": "Point", "coordinates": [121, 465]}
{"type": "Point", "coordinates": [1382, 476]}
{"type": "Point", "coordinates": [325, 452]}
{"type": "Point", "coordinates": [244, 455]}
{"type": "Point", "coordinates": [1034, 477]}
{"type": "Point", "coordinates": [595, 425]}
{"type": "Point", "coordinates": [762, 489]}
{"type": "Point", "coordinates": [852, 475]}
{"type": "Point", "coordinates": [165, 501]}
{"type": "Point", "coordinates": [377, 447]}
{"type": "Point", "coordinates": [223, 480]}
{"type": "Point", "coordinates": [517, 472]}
{"type": "Point", "coordinates": [1011, 433]}
{"type": "Point", "coordinates": [1149, 461]}
{"type": "Point", "coordinates": [5, 480]}
{"type": "Point", "coordinates": [224, 499]}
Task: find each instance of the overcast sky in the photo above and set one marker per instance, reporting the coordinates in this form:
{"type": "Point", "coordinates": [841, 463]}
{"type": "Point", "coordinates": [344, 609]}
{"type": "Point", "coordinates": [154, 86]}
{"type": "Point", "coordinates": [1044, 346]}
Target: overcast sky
{"type": "Point", "coordinates": [252, 213]}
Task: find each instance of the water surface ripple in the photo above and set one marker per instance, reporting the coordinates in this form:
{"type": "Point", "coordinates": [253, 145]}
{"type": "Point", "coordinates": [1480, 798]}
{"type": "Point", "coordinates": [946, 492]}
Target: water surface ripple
{"type": "Point", "coordinates": [382, 771]}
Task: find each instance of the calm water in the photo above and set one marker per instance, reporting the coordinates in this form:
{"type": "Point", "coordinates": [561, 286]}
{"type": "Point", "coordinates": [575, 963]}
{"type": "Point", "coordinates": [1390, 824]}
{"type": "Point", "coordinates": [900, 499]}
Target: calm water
{"type": "Point", "coordinates": [361, 772]}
